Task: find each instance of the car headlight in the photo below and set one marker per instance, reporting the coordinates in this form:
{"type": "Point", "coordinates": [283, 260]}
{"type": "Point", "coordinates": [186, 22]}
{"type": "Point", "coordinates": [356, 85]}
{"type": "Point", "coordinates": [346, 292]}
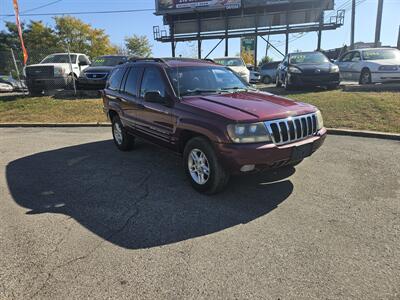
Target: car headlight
{"type": "Point", "coordinates": [320, 120]}
{"type": "Point", "coordinates": [249, 133]}
{"type": "Point", "coordinates": [294, 70]}
{"type": "Point", "coordinates": [388, 68]}
{"type": "Point", "coordinates": [334, 69]}
{"type": "Point", "coordinates": [58, 71]}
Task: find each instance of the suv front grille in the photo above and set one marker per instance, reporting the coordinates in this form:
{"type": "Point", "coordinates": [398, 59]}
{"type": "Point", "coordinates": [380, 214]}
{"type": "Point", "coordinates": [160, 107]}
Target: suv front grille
{"type": "Point", "coordinates": [292, 129]}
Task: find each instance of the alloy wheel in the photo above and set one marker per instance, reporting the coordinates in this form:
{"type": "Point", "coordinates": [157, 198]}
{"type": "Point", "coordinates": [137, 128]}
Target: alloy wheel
{"type": "Point", "coordinates": [199, 167]}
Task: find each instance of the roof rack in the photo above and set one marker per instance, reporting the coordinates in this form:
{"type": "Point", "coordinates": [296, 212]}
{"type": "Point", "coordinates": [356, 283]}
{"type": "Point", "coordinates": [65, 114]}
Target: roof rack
{"type": "Point", "coordinates": [137, 59]}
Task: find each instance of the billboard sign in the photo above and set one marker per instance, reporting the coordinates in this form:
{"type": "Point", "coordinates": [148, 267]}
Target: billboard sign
{"type": "Point", "coordinates": [248, 45]}
{"type": "Point", "coordinates": [249, 3]}
{"type": "Point", "coordinates": [177, 6]}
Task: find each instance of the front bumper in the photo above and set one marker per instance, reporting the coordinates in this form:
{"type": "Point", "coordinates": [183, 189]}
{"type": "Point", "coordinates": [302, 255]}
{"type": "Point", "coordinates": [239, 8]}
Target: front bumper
{"type": "Point", "coordinates": [87, 83]}
{"type": "Point", "coordinates": [385, 76]}
{"type": "Point", "coordinates": [264, 156]}
{"type": "Point", "coordinates": [314, 80]}
{"type": "Point", "coordinates": [47, 83]}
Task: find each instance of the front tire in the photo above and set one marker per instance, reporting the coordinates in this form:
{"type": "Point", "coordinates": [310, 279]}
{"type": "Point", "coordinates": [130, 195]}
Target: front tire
{"type": "Point", "coordinates": [267, 80]}
{"type": "Point", "coordinates": [122, 139]}
{"type": "Point", "coordinates": [278, 83]}
{"type": "Point", "coordinates": [204, 170]}
{"type": "Point", "coordinates": [365, 77]}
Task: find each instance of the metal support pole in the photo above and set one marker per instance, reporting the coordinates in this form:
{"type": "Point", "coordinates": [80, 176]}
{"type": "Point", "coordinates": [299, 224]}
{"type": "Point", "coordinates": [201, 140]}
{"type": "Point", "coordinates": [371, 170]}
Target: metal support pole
{"type": "Point", "coordinates": [398, 40]}
{"type": "Point", "coordinates": [353, 23]}
{"type": "Point", "coordinates": [16, 70]}
{"type": "Point", "coordinates": [215, 47]}
{"type": "Point", "coordinates": [172, 34]}
{"type": "Point", "coordinates": [321, 21]}
{"type": "Point", "coordinates": [256, 42]}
{"type": "Point", "coordinates": [226, 35]}
{"type": "Point", "coordinates": [378, 23]}
{"type": "Point", "coordinates": [287, 40]}
{"type": "Point", "coordinates": [72, 70]}
{"type": "Point", "coordinates": [198, 37]}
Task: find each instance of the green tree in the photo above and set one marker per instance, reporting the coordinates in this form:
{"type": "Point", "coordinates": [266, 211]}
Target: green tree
{"type": "Point", "coordinates": [81, 37]}
{"type": "Point", "coordinates": [265, 60]}
{"type": "Point", "coordinates": [138, 46]}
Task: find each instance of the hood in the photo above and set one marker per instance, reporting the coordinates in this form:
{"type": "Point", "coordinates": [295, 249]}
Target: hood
{"type": "Point", "coordinates": [250, 106]}
{"type": "Point", "coordinates": [240, 69]}
{"type": "Point", "coordinates": [99, 69]}
{"type": "Point", "coordinates": [311, 68]}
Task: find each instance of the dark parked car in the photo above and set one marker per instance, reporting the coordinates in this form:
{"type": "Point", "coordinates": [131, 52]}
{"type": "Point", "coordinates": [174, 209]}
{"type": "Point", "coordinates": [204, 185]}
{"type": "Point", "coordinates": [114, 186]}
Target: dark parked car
{"type": "Point", "coordinates": [207, 113]}
{"type": "Point", "coordinates": [17, 86]}
{"type": "Point", "coordinates": [268, 72]}
{"type": "Point", "coordinates": [307, 69]}
{"type": "Point", "coordinates": [95, 76]}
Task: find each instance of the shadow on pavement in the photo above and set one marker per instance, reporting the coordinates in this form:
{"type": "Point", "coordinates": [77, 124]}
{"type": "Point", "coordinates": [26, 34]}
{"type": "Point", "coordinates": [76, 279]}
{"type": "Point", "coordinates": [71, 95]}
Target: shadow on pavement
{"type": "Point", "coordinates": [140, 199]}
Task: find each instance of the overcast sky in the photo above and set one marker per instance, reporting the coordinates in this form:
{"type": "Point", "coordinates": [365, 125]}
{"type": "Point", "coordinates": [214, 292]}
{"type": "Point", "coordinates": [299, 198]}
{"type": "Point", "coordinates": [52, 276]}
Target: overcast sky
{"type": "Point", "coordinates": [120, 25]}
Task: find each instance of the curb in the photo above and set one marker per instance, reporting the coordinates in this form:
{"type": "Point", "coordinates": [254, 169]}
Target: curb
{"type": "Point", "coordinates": [52, 125]}
{"type": "Point", "coordinates": [366, 134]}
{"type": "Point", "coordinates": [331, 131]}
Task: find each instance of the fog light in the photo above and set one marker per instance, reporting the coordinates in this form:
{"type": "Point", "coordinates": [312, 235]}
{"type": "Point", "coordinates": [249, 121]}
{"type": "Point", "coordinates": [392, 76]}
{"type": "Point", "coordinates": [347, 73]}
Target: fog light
{"type": "Point", "coordinates": [248, 168]}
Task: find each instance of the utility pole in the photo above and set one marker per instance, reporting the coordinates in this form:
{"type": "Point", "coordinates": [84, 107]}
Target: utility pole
{"type": "Point", "coordinates": [378, 23]}
{"type": "Point", "coordinates": [353, 23]}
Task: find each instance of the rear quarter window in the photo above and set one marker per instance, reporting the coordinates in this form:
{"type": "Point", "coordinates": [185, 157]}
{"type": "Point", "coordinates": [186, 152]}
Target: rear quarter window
{"type": "Point", "coordinates": [115, 80]}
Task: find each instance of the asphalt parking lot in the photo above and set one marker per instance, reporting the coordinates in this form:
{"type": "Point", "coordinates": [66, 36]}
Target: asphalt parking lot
{"type": "Point", "coordinates": [78, 220]}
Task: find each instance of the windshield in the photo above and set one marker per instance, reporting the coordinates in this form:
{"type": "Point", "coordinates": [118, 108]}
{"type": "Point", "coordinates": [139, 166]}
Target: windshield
{"type": "Point", "coordinates": [308, 58]}
{"type": "Point", "coordinates": [108, 61]}
{"type": "Point", "coordinates": [230, 62]}
{"type": "Point", "coordinates": [205, 79]}
{"type": "Point", "coordinates": [381, 54]}
{"type": "Point", "coordinates": [59, 59]}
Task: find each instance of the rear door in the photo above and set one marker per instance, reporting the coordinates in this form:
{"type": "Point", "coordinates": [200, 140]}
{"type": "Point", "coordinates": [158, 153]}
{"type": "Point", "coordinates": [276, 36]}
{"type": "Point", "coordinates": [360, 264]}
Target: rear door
{"type": "Point", "coordinates": [129, 99]}
{"type": "Point", "coordinates": [155, 119]}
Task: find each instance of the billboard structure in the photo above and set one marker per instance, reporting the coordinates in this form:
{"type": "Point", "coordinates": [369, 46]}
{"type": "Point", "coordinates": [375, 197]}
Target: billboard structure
{"type": "Point", "coordinates": [198, 20]}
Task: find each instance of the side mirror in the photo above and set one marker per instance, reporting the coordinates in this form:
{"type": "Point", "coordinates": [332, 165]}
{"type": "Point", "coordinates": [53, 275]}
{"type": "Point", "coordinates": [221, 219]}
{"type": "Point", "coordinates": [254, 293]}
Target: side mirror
{"type": "Point", "coordinates": [155, 97]}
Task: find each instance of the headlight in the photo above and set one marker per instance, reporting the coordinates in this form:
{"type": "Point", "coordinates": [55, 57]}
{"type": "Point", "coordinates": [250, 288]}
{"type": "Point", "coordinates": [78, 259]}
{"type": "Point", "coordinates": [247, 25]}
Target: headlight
{"type": "Point", "coordinates": [388, 68]}
{"type": "Point", "coordinates": [294, 70]}
{"type": "Point", "coordinates": [59, 71]}
{"type": "Point", "coordinates": [249, 133]}
{"type": "Point", "coordinates": [320, 120]}
{"type": "Point", "coordinates": [334, 69]}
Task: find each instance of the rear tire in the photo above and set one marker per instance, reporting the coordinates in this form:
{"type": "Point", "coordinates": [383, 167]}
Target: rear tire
{"type": "Point", "coordinates": [122, 139]}
{"type": "Point", "coordinates": [204, 170]}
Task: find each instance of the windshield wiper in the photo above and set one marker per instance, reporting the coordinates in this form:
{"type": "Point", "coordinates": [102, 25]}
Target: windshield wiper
{"type": "Point", "coordinates": [238, 89]}
{"type": "Point", "coordinates": [199, 91]}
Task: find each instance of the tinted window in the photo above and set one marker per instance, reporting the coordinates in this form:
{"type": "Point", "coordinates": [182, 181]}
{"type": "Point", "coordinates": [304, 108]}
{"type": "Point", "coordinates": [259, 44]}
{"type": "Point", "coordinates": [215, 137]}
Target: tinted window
{"type": "Point", "coordinates": [114, 83]}
{"type": "Point", "coordinates": [152, 82]}
{"type": "Point", "coordinates": [83, 60]}
{"type": "Point", "coordinates": [132, 81]}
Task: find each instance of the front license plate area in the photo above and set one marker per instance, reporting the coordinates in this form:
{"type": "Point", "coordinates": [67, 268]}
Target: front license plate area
{"type": "Point", "coordinates": [302, 152]}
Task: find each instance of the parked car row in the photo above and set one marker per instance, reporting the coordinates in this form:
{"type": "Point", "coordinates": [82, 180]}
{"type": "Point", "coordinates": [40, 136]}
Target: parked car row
{"type": "Point", "coordinates": [61, 70]}
{"type": "Point", "coordinates": [365, 66]}
{"type": "Point", "coordinates": [9, 84]}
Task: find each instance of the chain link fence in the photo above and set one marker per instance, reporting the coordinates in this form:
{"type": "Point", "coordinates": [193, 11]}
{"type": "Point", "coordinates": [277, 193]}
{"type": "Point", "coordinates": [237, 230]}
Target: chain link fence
{"type": "Point", "coordinates": [45, 73]}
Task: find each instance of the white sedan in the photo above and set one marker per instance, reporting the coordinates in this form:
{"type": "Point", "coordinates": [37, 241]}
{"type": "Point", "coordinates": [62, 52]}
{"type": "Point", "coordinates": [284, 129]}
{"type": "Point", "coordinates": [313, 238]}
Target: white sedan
{"type": "Point", "coordinates": [370, 65]}
{"type": "Point", "coordinates": [4, 87]}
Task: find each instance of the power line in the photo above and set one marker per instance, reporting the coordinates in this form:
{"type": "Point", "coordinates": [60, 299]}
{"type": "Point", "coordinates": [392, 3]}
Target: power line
{"type": "Point", "coordinates": [82, 13]}
{"type": "Point", "coordinates": [42, 6]}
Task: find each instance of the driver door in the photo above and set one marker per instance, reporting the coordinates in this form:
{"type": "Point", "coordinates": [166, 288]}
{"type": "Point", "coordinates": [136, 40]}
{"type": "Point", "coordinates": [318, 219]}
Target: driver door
{"type": "Point", "coordinates": [344, 64]}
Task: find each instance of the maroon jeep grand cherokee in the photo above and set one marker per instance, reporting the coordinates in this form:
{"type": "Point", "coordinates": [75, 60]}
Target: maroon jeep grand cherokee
{"type": "Point", "coordinates": [212, 117]}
